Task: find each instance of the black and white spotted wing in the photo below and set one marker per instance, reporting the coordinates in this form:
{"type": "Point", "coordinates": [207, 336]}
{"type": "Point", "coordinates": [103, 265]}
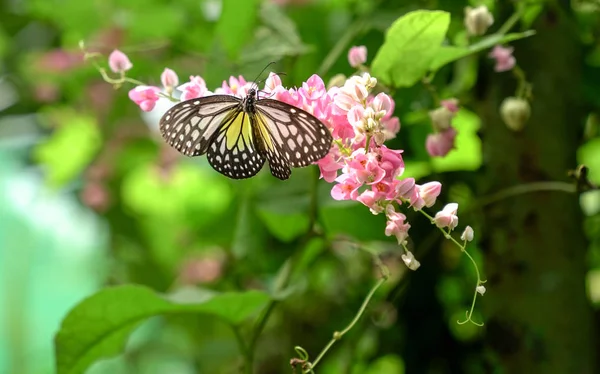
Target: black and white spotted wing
{"type": "Point", "coordinates": [239, 134]}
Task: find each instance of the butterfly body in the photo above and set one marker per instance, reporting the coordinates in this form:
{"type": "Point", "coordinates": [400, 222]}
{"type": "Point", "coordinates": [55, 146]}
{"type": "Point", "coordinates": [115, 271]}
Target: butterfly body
{"type": "Point", "coordinates": [239, 134]}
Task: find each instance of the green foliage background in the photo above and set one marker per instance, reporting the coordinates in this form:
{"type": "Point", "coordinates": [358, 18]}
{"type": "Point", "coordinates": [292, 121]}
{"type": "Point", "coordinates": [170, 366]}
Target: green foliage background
{"type": "Point", "coordinates": [90, 196]}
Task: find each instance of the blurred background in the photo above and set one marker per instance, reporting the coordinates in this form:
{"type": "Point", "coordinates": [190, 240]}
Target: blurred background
{"type": "Point", "coordinates": [90, 195]}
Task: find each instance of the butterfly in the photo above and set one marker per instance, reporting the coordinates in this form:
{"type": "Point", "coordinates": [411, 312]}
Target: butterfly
{"type": "Point", "coordinates": [239, 134]}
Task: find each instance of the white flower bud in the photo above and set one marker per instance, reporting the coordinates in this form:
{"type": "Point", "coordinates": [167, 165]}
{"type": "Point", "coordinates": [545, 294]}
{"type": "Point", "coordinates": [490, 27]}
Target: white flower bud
{"type": "Point", "coordinates": [515, 112]}
{"type": "Point", "coordinates": [467, 235]}
{"type": "Point", "coordinates": [480, 289]}
{"type": "Point", "coordinates": [410, 261]}
{"type": "Point", "coordinates": [478, 20]}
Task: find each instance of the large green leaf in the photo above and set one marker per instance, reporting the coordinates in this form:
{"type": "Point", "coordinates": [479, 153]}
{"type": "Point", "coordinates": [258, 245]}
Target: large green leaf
{"type": "Point", "coordinates": [99, 326]}
{"type": "Point", "coordinates": [448, 54]}
{"type": "Point", "coordinates": [410, 45]}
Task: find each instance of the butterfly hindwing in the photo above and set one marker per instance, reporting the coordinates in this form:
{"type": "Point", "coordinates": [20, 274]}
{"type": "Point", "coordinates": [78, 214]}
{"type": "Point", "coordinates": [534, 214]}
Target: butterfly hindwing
{"type": "Point", "coordinates": [232, 151]}
{"type": "Point", "coordinates": [190, 125]}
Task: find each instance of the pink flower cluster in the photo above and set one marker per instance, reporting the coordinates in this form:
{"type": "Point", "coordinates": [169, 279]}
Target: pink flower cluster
{"type": "Point", "coordinates": [361, 166]}
{"type": "Point", "coordinates": [504, 58]}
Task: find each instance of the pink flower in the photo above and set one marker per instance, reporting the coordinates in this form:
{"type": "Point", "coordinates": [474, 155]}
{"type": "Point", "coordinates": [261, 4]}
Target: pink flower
{"type": "Point", "coordinates": [391, 161]}
{"type": "Point", "coordinates": [447, 217]}
{"type": "Point", "coordinates": [236, 87]}
{"type": "Point", "coordinates": [119, 62]}
{"type": "Point", "coordinates": [504, 58]}
{"type": "Point", "coordinates": [450, 104]}
{"type": "Point", "coordinates": [193, 89]}
{"type": "Point", "coordinates": [439, 144]}
{"type": "Point", "coordinates": [357, 56]}
{"type": "Point", "coordinates": [396, 224]}
{"type": "Point", "coordinates": [429, 192]}
{"type": "Point", "coordinates": [372, 200]}
{"type": "Point", "coordinates": [145, 96]}
{"type": "Point", "coordinates": [169, 79]}
{"type": "Point", "coordinates": [273, 84]}
{"type": "Point", "coordinates": [313, 88]}
{"type": "Point", "coordinates": [346, 189]}
{"type": "Point", "coordinates": [329, 167]}
{"type": "Point", "coordinates": [405, 188]}
{"type": "Point", "coordinates": [365, 168]}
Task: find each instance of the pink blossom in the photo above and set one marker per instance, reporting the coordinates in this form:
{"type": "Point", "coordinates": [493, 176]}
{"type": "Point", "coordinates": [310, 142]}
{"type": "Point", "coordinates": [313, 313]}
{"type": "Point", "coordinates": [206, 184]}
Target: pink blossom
{"type": "Point", "coordinates": [405, 188]}
{"type": "Point", "coordinates": [391, 161]}
{"type": "Point", "coordinates": [504, 59]}
{"type": "Point", "coordinates": [366, 168]}
{"type": "Point", "coordinates": [119, 62]}
{"type": "Point", "coordinates": [357, 56]}
{"type": "Point", "coordinates": [145, 96]}
{"type": "Point", "coordinates": [193, 89]}
{"type": "Point", "coordinates": [372, 199]}
{"type": "Point", "coordinates": [439, 144]}
{"type": "Point", "coordinates": [329, 167]}
{"type": "Point", "coordinates": [447, 217]}
{"type": "Point", "coordinates": [169, 79]}
{"type": "Point", "coordinates": [313, 88]}
{"type": "Point", "coordinates": [236, 86]}
{"type": "Point", "coordinates": [429, 192]}
{"type": "Point", "coordinates": [382, 104]}
{"type": "Point", "coordinates": [346, 189]}
{"type": "Point", "coordinates": [273, 84]}
{"type": "Point", "coordinates": [450, 104]}
{"type": "Point", "coordinates": [396, 224]}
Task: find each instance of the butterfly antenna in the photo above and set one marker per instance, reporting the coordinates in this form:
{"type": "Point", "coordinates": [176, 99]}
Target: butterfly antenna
{"type": "Point", "coordinates": [256, 81]}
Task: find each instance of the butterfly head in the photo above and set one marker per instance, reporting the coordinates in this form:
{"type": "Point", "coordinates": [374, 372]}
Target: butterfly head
{"type": "Point", "coordinates": [250, 100]}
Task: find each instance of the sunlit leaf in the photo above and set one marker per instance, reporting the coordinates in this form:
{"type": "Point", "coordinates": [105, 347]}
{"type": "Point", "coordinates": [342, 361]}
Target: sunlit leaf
{"type": "Point", "coordinates": [389, 364]}
{"type": "Point", "coordinates": [99, 326]}
{"type": "Point", "coordinates": [410, 45]}
{"type": "Point", "coordinates": [467, 153]}
{"type": "Point", "coordinates": [69, 149]}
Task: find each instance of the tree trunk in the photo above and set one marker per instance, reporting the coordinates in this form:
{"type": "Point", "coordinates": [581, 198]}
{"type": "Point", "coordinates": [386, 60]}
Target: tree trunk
{"type": "Point", "coordinates": [538, 316]}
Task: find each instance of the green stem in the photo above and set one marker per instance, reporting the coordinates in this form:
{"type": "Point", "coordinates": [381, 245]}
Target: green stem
{"type": "Point", "coordinates": [338, 335]}
{"type": "Point", "coordinates": [243, 348]}
{"type": "Point", "coordinates": [339, 47]}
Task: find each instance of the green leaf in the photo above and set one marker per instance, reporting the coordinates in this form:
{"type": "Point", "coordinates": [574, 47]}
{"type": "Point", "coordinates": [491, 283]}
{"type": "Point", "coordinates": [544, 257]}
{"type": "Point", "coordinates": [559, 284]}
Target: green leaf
{"type": "Point", "coordinates": [70, 148]}
{"type": "Point", "coordinates": [410, 45]}
{"type": "Point", "coordinates": [389, 364]}
{"type": "Point", "coordinates": [589, 155]}
{"type": "Point", "coordinates": [99, 326]}
{"type": "Point", "coordinates": [467, 153]}
{"type": "Point", "coordinates": [448, 54]}
{"type": "Point", "coordinates": [235, 25]}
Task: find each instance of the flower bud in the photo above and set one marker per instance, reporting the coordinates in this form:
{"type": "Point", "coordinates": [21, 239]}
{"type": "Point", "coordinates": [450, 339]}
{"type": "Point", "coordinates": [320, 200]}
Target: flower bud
{"type": "Point", "coordinates": [467, 235]}
{"type": "Point", "coordinates": [478, 20]}
{"type": "Point", "coordinates": [337, 80]}
{"type": "Point", "coordinates": [410, 261]}
{"type": "Point", "coordinates": [429, 192]}
{"type": "Point", "coordinates": [357, 56]}
{"type": "Point", "coordinates": [515, 112]}
{"type": "Point", "coordinates": [441, 118]}
{"type": "Point", "coordinates": [169, 79]}
{"type": "Point", "coordinates": [504, 59]}
{"type": "Point", "coordinates": [119, 62]}
{"type": "Point", "coordinates": [447, 217]}
{"type": "Point", "coordinates": [439, 144]}
{"type": "Point", "coordinates": [480, 289]}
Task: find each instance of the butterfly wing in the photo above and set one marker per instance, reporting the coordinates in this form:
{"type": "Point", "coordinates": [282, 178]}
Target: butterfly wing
{"type": "Point", "coordinates": [290, 136]}
{"type": "Point", "coordinates": [190, 125]}
{"type": "Point", "coordinates": [233, 152]}
{"type": "Point", "coordinates": [218, 126]}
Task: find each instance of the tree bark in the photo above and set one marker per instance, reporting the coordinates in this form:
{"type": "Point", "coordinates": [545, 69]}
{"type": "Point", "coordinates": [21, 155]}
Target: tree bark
{"type": "Point", "coordinates": [538, 317]}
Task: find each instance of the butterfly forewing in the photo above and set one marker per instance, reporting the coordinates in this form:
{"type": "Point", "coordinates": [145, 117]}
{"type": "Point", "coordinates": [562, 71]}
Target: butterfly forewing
{"type": "Point", "coordinates": [299, 137]}
{"type": "Point", "coordinates": [189, 126]}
